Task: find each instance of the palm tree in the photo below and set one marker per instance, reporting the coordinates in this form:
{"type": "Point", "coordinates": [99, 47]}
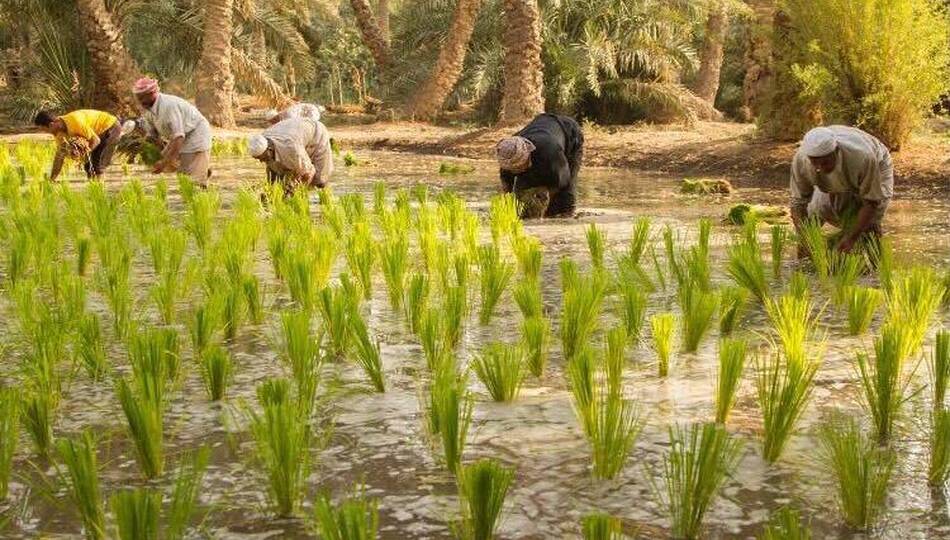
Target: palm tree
{"type": "Point", "coordinates": [214, 80]}
{"type": "Point", "coordinates": [382, 14]}
{"type": "Point", "coordinates": [451, 59]}
{"type": "Point", "coordinates": [523, 93]}
{"type": "Point", "coordinates": [711, 55]}
{"type": "Point", "coordinates": [114, 68]}
{"type": "Point", "coordinates": [758, 59]}
{"type": "Point", "coordinates": [372, 35]}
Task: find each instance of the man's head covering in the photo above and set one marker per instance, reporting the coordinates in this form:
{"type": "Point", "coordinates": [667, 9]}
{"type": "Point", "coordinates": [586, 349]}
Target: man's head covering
{"type": "Point", "coordinates": [270, 114]}
{"type": "Point", "coordinates": [256, 145]}
{"type": "Point", "coordinates": [514, 153]}
{"type": "Point", "coordinates": [145, 85]}
{"type": "Point", "coordinates": [128, 127]}
{"type": "Point", "coordinates": [819, 142]}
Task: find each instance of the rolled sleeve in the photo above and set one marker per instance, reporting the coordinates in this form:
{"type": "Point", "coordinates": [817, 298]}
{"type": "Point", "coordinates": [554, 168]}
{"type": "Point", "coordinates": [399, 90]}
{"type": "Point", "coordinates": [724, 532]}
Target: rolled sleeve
{"type": "Point", "coordinates": [801, 187]}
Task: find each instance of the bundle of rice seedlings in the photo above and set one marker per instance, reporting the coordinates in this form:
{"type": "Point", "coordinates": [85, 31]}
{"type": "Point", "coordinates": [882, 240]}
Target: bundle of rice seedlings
{"type": "Point", "coordinates": [528, 254]}
{"type": "Point", "coordinates": [354, 518]}
{"type": "Point", "coordinates": [500, 367]}
{"type": "Point", "coordinates": [454, 310]}
{"type": "Point", "coordinates": [798, 285]}
{"type": "Point", "coordinates": [885, 383]}
{"type": "Point", "coordinates": [663, 326]}
{"type": "Point", "coordinates": [204, 323]}
{"type": "Point", "coordinates": [450, 411]}
{"type": "Point", "coordinates": [154, 352]}
{"type": "Point", "coordinates": [912, 301]}
{"type": "Point", "coordinates": [483, 486]}
{"type": "Point", "coordinates": [700, 459]}
{"type": "Point", "coordinates": [282, 435]}
{"type": "Point", "coordinates": [601, 527]}
{"type": "Point", "coordinates": [83, 254]}
{"type": "Point", "coordinates": [360, 256]}
{"type": "Point", "coordinates": [583, 297]}
{"type": "Point", "coordinates": [432, 338]}
{"type": "Point", "coordinates": [582, 380]}
{"type": "Point", "coordinates": [940, 368]}
{"type": "Point", "coordinates": [184, 498]}
{"type": "Point", "coordinates": [938, 470]}
{"type": "Point", "coordinates": [535, 339]}
{"type": "Point", "coordinates": [746, 268]}
{"type": "Point", "coordinates": [632, 308]}
{"type": "Point", "coordinates": [785, 524]}
{"type": "Point", "coordinates": [90, 348]}
{"type": "Point", "coordinates": [732, 353]}
{"type": "Point", "coordinates": [9, 435]}
{"type": "Point", "coordinates": [783, 389]}
{"type": "Point", "coordinates": [494, 276]}
{"type": "Point", "coordinates": [379, 197]}
{"type": "Point", "coordinates": [639, 240]}
{"type": "Point", "coordinates": [811, 237]}
{"type": "Point", "coordinates": [216, 368]}
{"type": "Point", "coordinates": [794, 324]}
{"type": "Point", "coordinates": [504, 217]}
{"type": "Point", "coordinates": [168, 250]}
{"type": "Point", "coordinates": [79, 456]}
{"type": "Point", "coordinates": [394, 257]}
{"type": "Point", "coordinates": [114, 280]}
{"type": "Point", "coordinates": [861, 470]}
{"type": "Point", "coordinates": [596, 245]}
{"type": "Point", "coordinates": [672, 260]}
{"type": "Point", "coordinates": [145, 414]}
{"type": "Point", "coordinates": [527, 294]}
{"type": "Point", "coordinates": [333, 304]}
{"type": "Point", "coordinates": [698, 310]}
{"type": "Point", "coordinates": [202, 209]}
{"type": "Point", "coordinates": [365, 350]}
{"type": "Point", "coordinates": [297, 348]}
{"type": "Point", "coordinates": [732, 302]}
{"type": "Point", "coordinates": [615, 349]}
{"type": "Point", "coordinates": [846, 269]}
{"type": "Point", "coordinates": [136, 513]}
{"type": "Point", "coordinates": [615, 425]}
{"type": "Point", "coordinates": [37, 412]}
{"type": "Point", "coordinates": [881, 258]}
{"type": "Point", "coordinates": [863, 303]}
{"type": "Point", "coordinates": [779, 239]}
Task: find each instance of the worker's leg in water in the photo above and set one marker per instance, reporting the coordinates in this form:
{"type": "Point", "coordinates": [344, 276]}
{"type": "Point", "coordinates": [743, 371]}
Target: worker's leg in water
{"type": "Point", "coordinates": [106, 148]}
{"type": "Point", "coordinates": [562, 204]}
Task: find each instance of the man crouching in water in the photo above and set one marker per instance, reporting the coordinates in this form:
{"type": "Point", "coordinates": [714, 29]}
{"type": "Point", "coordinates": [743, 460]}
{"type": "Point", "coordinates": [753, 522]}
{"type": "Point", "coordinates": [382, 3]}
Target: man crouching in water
{"type": "Point", "coordinates": [546, 153]}
{"type": "Point", "coordinates": [296, 152]}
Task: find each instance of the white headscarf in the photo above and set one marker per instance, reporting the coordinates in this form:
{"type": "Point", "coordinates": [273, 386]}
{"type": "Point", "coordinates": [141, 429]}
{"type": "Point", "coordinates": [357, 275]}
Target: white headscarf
{"type": "Point", "coordinates": [256, 145]}
{"type": "Point", "coordinates": [819, 142]}
{"type": "Point", "coordinates": [514, 153]}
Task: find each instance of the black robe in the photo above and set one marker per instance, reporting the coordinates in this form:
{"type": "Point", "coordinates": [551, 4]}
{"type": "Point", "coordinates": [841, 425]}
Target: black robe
{"type": "Point", "coordinates": [555, 162]}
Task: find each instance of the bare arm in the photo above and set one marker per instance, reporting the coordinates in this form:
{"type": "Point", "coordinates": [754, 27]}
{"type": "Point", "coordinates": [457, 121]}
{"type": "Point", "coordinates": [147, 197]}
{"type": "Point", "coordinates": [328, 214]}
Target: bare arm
{"type": "Point", "coordinates": [864, 223]}
{"type": "Point", "coordinates": [57, 164]}
{"type": "Point", "coordinates": [170, 153]}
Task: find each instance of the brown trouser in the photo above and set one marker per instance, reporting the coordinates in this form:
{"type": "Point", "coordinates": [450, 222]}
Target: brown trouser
{"type": "Point", "coordinates": [196, 165]}
{"type": "Point", "coordinates": [101, 156]}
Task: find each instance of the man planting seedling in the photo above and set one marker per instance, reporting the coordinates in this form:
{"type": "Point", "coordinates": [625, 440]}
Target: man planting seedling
{"type": "Point", "coordinates": [546, 153]}
{"type": "Point", "coordinates": [187, 132]}
{"type": "Point", "coordinates": [296, 151]}
{"type": "Point", "coordinates": [86, 135]}
{"type": "Point", "coordinates": [842, 176]}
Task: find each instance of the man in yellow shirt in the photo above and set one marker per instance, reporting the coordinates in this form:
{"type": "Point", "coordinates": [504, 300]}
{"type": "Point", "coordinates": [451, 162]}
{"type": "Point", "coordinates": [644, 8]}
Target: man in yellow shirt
{"type": "Point", "coordinates": [99, 129]}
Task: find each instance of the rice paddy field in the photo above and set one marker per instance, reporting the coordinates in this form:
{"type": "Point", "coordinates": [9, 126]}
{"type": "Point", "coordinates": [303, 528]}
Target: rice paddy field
{"type": "Point", "coordinates": [402, 357]}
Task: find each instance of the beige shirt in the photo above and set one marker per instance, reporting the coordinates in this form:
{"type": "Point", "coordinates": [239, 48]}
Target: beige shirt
{"type": "Point", "coordinates": [301, 147]}
{"type": "Point", "coordinates": [300, 110]}
{"type": "Point", "coordinates": [863, 169]}
{"type": "Point", "coordinates": [171, 116]}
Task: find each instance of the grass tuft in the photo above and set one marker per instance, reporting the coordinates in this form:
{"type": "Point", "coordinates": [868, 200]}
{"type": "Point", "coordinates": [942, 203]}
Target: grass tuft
{"type": "Point", "coordinates": [483, 486]}
{"type": "Point", "coordinates": [354, 518]}
{"type": "Point", "coordinates": [783, 389]}
{"type": "Point", "coordinates": [136, 513]}
{"type": "Point", "coordinates": [732, 354]}
{"type": "Point", "coordinates": [79, 456]}
{"type": "Point", "coordinates": [535, 339]}
{"type": "Point", "coordinates": [663, 326]}
{"type": "Point", "coordinates": [500, 367]}
{"type": "Point", "coordinates": [863, 303]}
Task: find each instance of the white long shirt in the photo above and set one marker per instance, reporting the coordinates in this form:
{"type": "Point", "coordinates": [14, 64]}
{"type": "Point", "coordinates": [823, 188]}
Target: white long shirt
{"type": "Point", "coordinates": [301, 146]}
{"type": "Point", "coordinates": [171, 116]}
{"type": "Point", "coordinates": [300, 110]}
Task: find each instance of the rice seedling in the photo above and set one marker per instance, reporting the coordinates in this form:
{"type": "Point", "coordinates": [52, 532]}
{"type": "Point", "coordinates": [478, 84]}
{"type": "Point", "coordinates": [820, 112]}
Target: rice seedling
{"type": "Point", "coordinates": [881, 258]}
{"type": "Point", "coordinates": [535, 339]}
{"type": "Point", "coordinates": [83, 254]}
{"type": "Point", "coordinates": [632, 308]}
{"type": "Point", "coordinates": [185, 494]}
{"type": "Point", "coordinates": [483, 486]}
{"type": "Point", "coordinates": [527, 294]}
{"type": "Point", "coordinates": [144, 414]}
{"type": "Point", "coordinates": [90, 348]}
{"type": "Point", "coordinates": [503, 217]}
{"type": "Point", "coordinates": [334, 308]}
{"type": "Point", "coordinates": [940, 368]}
{"type": "Point", "coordinates": [417, 300]}
{"type": "Point", "coordinates": [938, 470]}
{"type": "Point", "coordinates": [663, 325]}
{"type": "Point", "coordinates": [494, 276]}
{"type": "Point", "coordinates": [38, 408]}
{"type": "Point", "coordinates": [582, 301]}
{"type": "Point", "coordinates": [354, 518]}
{"type": "Point", "coordinates": [732, 302]}
{"type": "Point", "coordinates": [783, 390]}
{"type": "Point", "coordinates": [354, 207]}
{"type": "Point", "coordinates": [884, 381]}
{"type": "Point", "coordinates": [638, 240]}
{"type": "Point", "coordinates": [432, 338]}
{"type": "Point", "coordinates": [672, 260]}
{"type": "Point", "coordinates": [500, 367]}
{"type": "Point", "coordinates": [379, 197]}
{"type": "Point", "coordinates": [860, 468]}
{"type": "Point", "coordinates": [365, 349]}
{"type": "Point", "coordinates": [282, 436]}
{"type": "Point", "coordinates": [114, 279]}
{"type": "Point", "coordinates": [394, 256]}
{"type": "Point", "coordinates": [700, 459]}
{"type": "Point", "coordinates": [615, 425]}
{"type": "Point", "coordinates": [216, 371]}
{"type": "Point", "coordinates": [528, 254]}
{"type": "Point", "coordinates": [136, 513]}
{"type": "Point", "coordinates": [601, 527]}
{"type": "Point", "coordinates": [732, 354]}
{"type": "Point", "coordinates": [779, 239]}
{"type": "Point", "coordinates": [615, 352]}
{"type": "Point", "coordinates": [794, 324]}
{"type": "Point", "coordinates": [811, 237]}
{"type": "Point", "coordinates": [914, 297]}
{"type": "Point", "coordinates": [153, 352]}
{"type": "Point", "coordinates": [297, 348]}
{"type": "Point", "coordinates": [9, 435]}
{"type": "Point", "coordinates": [745, 267]}
{"type": "Point", "coordinates": [79, 456]}
{"type": "Point", "coordinates": [699, 308]}
{"type": "Point", "coordinates": [863, 303]}
{"type": "Point", "coordinates": [596, 245]}
{"type": "Point", "coordinates": [846, 269]}
{"type": "Point", "coordinates": [204, 323]}
{"type": "Point", "coordinates": [454, 309]}
{"type": "Point", "coordinates": [202, 209]}
{"type": "Point", "coordinates": [451, 413]}
{"type": "Point", "coordinates": [785, 524]}
{"type": "Point", "coordinates": [581, 378]}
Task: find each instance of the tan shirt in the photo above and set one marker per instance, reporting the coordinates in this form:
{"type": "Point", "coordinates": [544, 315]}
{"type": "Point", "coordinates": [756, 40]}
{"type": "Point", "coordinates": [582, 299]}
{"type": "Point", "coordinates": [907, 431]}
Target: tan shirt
{"type": "Point", "coordinates": [301, 147]}
{"type": "Point", "coordinates": [172, 116]}
{"type": "Point", "coordinates": [300, 110]}
{"type": "Point", "coordinates": [863, 169]}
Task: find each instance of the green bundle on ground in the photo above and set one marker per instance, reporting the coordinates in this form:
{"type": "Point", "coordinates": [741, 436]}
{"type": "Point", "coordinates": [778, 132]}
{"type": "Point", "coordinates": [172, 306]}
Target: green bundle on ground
{"type": "Point", "coordinates": [535, 339]}
{"type": "Point", "coordinates": [783, 389]}
{"type": "Point", "coordinates": [354, 518]}
{"type": "Point", "coordinates": [886, 383]}
{"type": "Point", "coordinates": [500, 367]}
{"type": "Point", "coordinates": [494, 276]}
{"type": "Point", "coordinates": [663, 325]}
{"type": "Point", "coordinates": [483, 487]}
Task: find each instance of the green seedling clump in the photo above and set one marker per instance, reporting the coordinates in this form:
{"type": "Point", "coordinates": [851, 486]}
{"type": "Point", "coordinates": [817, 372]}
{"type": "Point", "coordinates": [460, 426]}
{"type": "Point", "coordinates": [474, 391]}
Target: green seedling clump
{"type": "Point", "coordinates": [483, 487]}
{"type": "Point", "coordinates": [500, 367]}
{"type": "Point", "coordinates": [863, 303]}
{"type": "Point", "coordinates": [783, 388]}
{"type": "Point", "coordinates": [663, 326]}
{"type": "Point", "coordinates": [601, 527]}
{"type": "Point", "coordinates": [494, 276]}
{"type": "Point", "coordinates": [446, 168]}
{"type": "Point", "coordinates": [9, 435]}
{"type": "Point", "coordinates": [79, 456]}
{"type": "Point", "coordinates": [885, 381]}
{"type": "Point", "coordinates": [188, 480]}
{"type": "Point", "coordinates": [136, 513]}
{"type": "Point", "coordinates": [216, 371]}
{"type": "Point", "coordinates": [732, 303]}
{"type": "Point", "coordinates": [706, 186]}
{"type": "Point", "coordinates": [732, 354]}
{"type": "Point", "coordinates": [354, 518]}
{"type": "Point", "coordinates": [535, 339]}
{"type": "Point", "coordinates": [785, 524]}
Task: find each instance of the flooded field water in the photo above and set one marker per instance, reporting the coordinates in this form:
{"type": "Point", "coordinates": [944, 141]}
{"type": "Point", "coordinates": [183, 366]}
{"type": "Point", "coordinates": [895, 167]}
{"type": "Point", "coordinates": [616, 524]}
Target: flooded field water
{"type": "Point", "coordinates": [380, 439]}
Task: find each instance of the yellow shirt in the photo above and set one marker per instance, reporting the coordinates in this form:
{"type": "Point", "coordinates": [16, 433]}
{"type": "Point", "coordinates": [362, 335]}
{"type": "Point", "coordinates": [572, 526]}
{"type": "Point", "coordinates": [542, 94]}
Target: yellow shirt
{"type": "Point", "coordinates": [87, 123]}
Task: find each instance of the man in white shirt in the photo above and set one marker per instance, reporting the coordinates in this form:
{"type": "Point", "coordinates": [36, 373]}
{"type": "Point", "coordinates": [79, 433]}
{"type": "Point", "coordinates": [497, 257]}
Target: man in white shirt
{"type": "Point", "coordinates": [181, 124]}
{"type": "Point", "coordinates": [297, 110]}
{"type": "Point", "coordinates": [840, 174]}
{"type": "Point", "coordinates": [296, 152]}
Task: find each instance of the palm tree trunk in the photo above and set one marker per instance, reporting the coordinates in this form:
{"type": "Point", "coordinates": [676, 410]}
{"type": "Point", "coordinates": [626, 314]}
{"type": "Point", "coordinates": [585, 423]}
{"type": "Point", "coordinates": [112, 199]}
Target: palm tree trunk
{"type": "Point", "coordinates": [370, 30]}
{"type": "Point", "coordinates": [710, 60]}
{"type": "Point", "coordinates": [214, 80]}
{"type": "Point", "coordinates": [448, 67]}
{"type": "Point", "coordinates": [758, 59]}
{"type": "Point", "coordinates": [382, 14]}
{"type": "Point", "coordinates": [113, 66]}
{"type": "Point", "coordinates": [523, 95]}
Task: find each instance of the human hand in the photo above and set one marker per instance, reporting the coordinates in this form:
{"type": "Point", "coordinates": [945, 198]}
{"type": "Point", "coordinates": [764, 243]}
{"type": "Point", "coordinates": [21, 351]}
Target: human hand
{"type": "Point", "coordinates": [159, 167]}
{"type": "Point", "coordinates": [846, 245]}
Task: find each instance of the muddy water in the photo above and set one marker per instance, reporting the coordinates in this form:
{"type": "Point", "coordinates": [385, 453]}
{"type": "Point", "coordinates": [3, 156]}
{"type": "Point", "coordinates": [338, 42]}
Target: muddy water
{"type": "Point", "coordinates": [380, 439]}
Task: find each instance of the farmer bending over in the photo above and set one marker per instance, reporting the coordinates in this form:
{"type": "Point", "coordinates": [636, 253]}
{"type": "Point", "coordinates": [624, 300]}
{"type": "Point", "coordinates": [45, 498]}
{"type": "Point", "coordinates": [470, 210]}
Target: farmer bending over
{"type": "Point", "coordinates": [96, 130]}
{"type": "Point", "coordinates": [297, 110]}
{"type": "Point", "coordinates": [547, 154]}
{"type": "Point", "coordinates": [187, 132]}
{"type": "Point", "coordinates": [296, 152]}
{"type": "Point", "coordinates": [842, 176]}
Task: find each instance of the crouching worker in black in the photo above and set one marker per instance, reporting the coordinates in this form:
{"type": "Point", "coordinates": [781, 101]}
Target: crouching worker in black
{"type": "Point", "coordinates": [546, 154]}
